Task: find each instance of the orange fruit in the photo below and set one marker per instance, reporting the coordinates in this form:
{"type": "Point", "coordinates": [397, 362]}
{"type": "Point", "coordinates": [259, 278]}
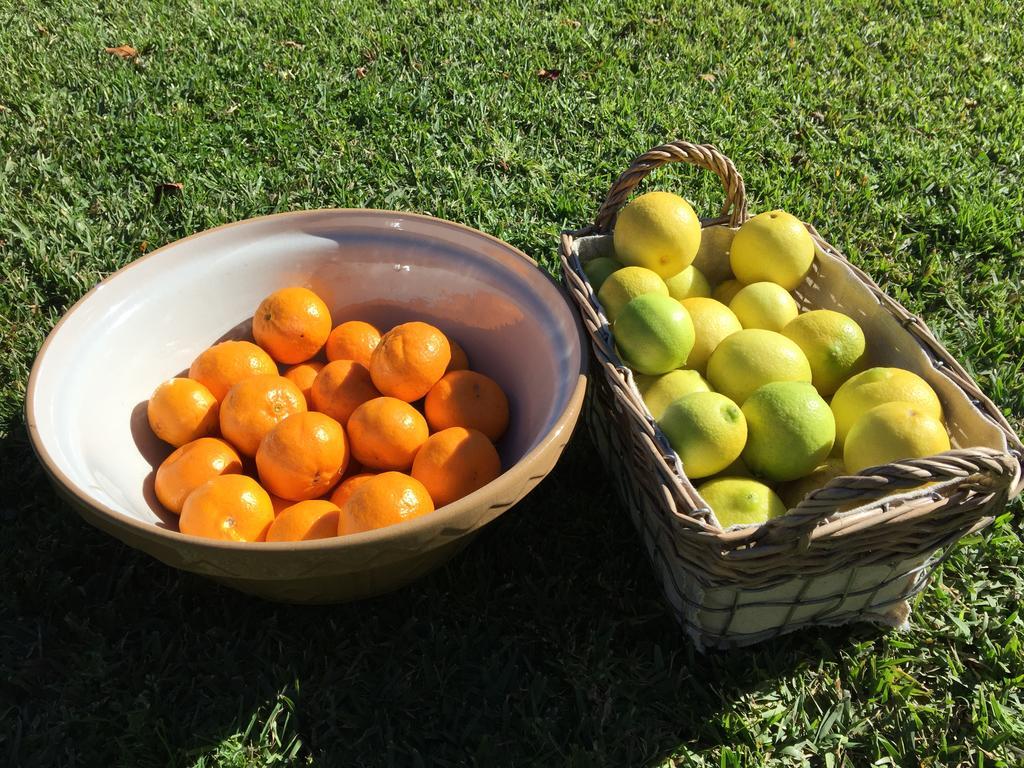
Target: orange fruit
{"type": "Point", "coordinates": [455, 462]}
{"type": "Point", "coordinates": [302, 375]}
{"type": "Point", "coordinates": [352, 340]}
{"type": "Point", "coordinates": [291, 324]}
{"type": "Point", "coordinates": [254, 406]}
{"type": "Point", "coordinates": [182, 410]}
{"type": "Point", "coordinates": [340, 388]}
{"type": "Point", "coordinates": [279, 504]}
{"type": "Point", "coordinates": [386, 433]}
{"type": "Point", "coordinates": [467, 399]}
{"type": "Point", "coordinates": [190, 466]}
{"type": "Point", "coordinates": [228, 507]}
{"type": "Point", "coordinates": [303, 457]}
{"type": "Point", "coordinates": [388, 498]}
{"type": "Point", "coordinates": [459, 361]}
{"type": "Point", "coordinates": [223, 365]}
{"type": "Point", "coordinates": [313, 519]}
{"type": "Point", "coordinates": [348, 486]}
{"type": "Point", "coordinates": [409, 360]}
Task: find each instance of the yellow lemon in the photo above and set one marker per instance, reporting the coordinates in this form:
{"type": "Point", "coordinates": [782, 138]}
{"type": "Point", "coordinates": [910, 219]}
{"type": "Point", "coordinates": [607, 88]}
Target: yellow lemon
{"type": "Point", "coordinates": [834, 345]}
{"type": "Point", "coordinates": [738, 501]}
{"type": "Point", "coordinates": [891, 432]}
{"type": "Point", "coordinates": [764, 305]}
{"type": "Point", "coordinates": [862, 392]}
{"type": "Point", "coordinates": [712, 322]}
{"type": "Point", "coordinates": [659, 391]}
{"type": "Point", "coordinates": [658, 231]}
{"type": "Point", "coordinates": [773, 246]}
{"type": "Point", "coordinates": [689, 282]}
{"type": "Point", "coordinates": [793, 492]}
{"type": "Point", "coordinates": [751, 358]}
{"type": "Point", "coordinates": [707, 430]}
{"type": "Point", "coordinates": [726, 290]}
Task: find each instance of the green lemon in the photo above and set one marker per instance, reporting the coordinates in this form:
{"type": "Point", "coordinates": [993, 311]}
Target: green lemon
{"type": "Point", "coordinates": [890, 432]}
{"type": "Point", "coordinates": [598, 270]}
{"type": "Point", "coordinates": [689, 282]}
{"type": "Point", "coordinates": [773, 246]}
{"type": "Point", "coordinates": [875, 386]}
{"type": "Point", "coordinates": [764, 305]}
{"type": "Point", "coordinates": [738, 501]}
{"type": "Point", "coordinates": [654, 333]}
{"type": "Point", "coordinates": [834, 345]}
{"type": "Point", "coordinates": [624, 285]}
{"type": "Point", "coordinates": [791, 430]}
{"type": "Point", "coordinates": [659, 391]}
{"type": "Point", "coordinates": [751, 358]}
{"type": "Point", "coordinates": [658, 231]}
{"type": "Point", "coordinates": [707, 430]}
{"type": "Point", "coordinates": [712, 322]}
{"type": "Point", "coordinates": [793, 492]}
{"type": "Point", "coordinates": [726, 291]}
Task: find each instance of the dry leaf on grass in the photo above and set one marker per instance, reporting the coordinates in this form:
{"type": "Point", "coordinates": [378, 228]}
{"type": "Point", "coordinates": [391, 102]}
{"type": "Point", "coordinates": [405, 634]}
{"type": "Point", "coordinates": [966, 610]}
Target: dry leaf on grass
{"type": "Point", "coordinates": [707, 77]}
{"type": "Point", "coordinates": [166, 188]}
{"type": "Point", "coordinates": [360, 72]}
{"type": "Point", "coordinates": [293, 44]}
{"type": "Point", "coordinates": [123, 52]}
{"type": "Point", "coordinates": [549, 74]}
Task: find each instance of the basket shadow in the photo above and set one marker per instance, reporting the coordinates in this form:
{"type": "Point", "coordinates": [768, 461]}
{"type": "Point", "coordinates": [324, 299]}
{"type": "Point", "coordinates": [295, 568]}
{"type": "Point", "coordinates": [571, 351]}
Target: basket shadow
{"type": "Point", "coordinates": [545, 642]}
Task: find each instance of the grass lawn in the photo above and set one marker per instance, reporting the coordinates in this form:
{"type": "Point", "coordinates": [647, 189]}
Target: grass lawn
{"type": "Point", "coordinates": [896, 127]}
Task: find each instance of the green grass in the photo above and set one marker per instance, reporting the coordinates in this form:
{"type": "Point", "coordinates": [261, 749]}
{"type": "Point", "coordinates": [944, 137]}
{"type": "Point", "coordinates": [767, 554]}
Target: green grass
{"type": "Point", "coordinates": [896, 127]}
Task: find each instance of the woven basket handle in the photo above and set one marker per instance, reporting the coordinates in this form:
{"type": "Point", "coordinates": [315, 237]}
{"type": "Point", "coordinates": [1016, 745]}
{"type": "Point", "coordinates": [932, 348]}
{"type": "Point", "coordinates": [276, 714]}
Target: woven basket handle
{"type": "Point", "coordinates": [703, 156]}
{"type": "Point", "coordinates": [990, 470]}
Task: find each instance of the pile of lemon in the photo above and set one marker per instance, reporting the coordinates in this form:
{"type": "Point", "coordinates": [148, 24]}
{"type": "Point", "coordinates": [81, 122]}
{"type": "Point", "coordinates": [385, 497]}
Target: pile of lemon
{"type": "Point", "coordinates": [761, 400]}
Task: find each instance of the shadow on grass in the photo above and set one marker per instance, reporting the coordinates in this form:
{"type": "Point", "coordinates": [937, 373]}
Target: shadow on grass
{"type": "Point", "coordinates": [546, 642]}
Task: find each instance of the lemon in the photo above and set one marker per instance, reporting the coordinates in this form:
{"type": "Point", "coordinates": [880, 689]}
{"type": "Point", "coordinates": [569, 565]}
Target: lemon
{"type": "Point", "coordinates": [658, 231]}
{"type": "Point", "coordinates": [726, 291]}
{"type": "Point", "coordinates": [659, 391]}
{"type": "Point", "coordinates": [707, 430]}
{"type": "Point", "coordinates": [834, 345]}
{"type": "Point", "coordinates": [738, 501]}
{"type": "Point", "coordinates": [890, 432]}
{"type": "Point", "coordinates": [773, 246]}
{"type": "Point", "coordinates": [624, 285]}
{"type": "Point", "coordinates": [712, 322]}
{"type": "Point", "coordinates": [598, 270]}
{"type": "Point", "coordinates": [875, 386]}
{"type": "Point", "coordinates": [751, 358]}
{"type": "Point", "coordinates": [713, 255]}
{"type": "Point", "coordinates": [690, 282]}
{"type": "Point", "coordinates": [793, 492]}
{"type": "Point", "coordinates": [654, 333]}
{"type": "Point", "coordinates": [764, 305]}
{"type": "Point", "coordinates": [791, 430]}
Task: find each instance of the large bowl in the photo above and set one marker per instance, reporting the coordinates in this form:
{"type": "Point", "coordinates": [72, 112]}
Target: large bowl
{"type": "Point", "coordinates": [146, 323]}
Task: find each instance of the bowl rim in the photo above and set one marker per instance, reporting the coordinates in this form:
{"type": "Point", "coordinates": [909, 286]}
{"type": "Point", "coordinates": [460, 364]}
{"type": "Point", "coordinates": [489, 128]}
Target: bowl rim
{"type": "Point", "coordinates": [509, 480]}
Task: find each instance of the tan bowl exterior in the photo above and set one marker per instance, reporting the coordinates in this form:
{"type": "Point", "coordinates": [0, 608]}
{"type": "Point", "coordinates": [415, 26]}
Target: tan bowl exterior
{"type": "Point", "coordinates": [351, 567]}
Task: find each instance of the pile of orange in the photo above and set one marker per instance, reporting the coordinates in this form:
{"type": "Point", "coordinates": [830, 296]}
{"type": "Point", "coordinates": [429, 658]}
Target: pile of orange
{"type": "Point", "coordinates": [356, 430]}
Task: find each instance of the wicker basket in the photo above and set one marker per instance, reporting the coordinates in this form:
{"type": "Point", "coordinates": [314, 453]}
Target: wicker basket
{"type": "Point", "coordinates": [856, 549]}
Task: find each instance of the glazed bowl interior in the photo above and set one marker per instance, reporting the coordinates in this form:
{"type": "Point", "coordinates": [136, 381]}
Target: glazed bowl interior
{"type": "Point", "coordinates": [148, 322]}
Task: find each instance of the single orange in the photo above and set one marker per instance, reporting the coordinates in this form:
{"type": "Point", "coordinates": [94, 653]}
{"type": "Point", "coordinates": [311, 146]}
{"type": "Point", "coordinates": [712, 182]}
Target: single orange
{"type": "Point", "coordinates": [455, 462]}
{"type": "Point", "coordinates": [386, 433]}
{"type": "Point", "coordinates": [223, 365]}
{"type": "Point", "coordinates": [182, 410]}
{"type": "Point", "coordinates": [230, 508]}
{"type": "Point", "coordinates": [340, 388]}
{"type": "Point", "coordinates": [388, 498]}
{"type": "Point", "coordinates": [459, 361]}
{"type": "Point", "coordinates": [291, 324]}
{"type": "Point", "coordinates": [467, 399]}
{"type": "Point", "coordinates": [313, 519]}
{"type": "Point", "coordinates": [352, 340]}
{"type": "Point", "coordinates": [303, 457]}
{"type": "Point", "coordinates": [348, 486]}
{"type": "Point", "coordinates": [279, 504]}
{"type": "Point", "coordinates": [302, 375]}
{"type": "Point", "coordinates": [190, 466]}
{"type": "Point", "coordinates": [409, 360]}
{"type": "Point", "coordinates": [256, 405]}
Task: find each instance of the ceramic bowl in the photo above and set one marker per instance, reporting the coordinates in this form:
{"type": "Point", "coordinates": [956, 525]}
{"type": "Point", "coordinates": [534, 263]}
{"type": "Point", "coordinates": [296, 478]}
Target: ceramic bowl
{"type": "Point", "coordinates": [147, 322]}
